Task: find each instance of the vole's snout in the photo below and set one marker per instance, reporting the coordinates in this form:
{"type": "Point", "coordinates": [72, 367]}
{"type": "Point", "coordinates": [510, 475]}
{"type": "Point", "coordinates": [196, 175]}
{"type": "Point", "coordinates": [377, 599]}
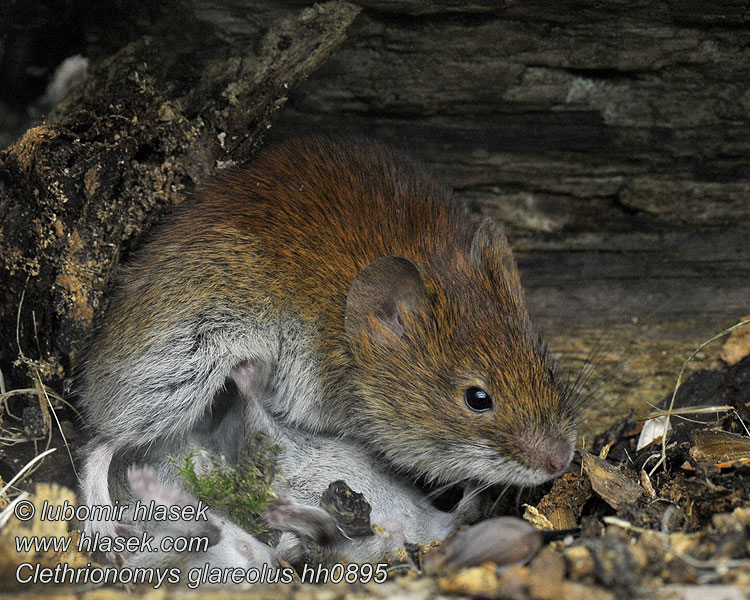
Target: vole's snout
{"type": "Point", "coordinates": [558, 456]}
{"type": "Point", "coordinates": [549, 454]}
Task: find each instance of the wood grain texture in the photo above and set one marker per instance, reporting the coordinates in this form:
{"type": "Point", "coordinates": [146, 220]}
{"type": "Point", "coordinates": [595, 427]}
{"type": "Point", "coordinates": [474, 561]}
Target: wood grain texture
{"type": "Point", "coordinates": [610, 138]}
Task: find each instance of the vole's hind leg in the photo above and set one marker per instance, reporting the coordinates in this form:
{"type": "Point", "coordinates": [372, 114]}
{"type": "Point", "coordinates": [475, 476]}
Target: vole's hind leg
{"type": "Point", "coordinates": [253, 381]}
{"type": "Point", "coordinates": [217, 436]}
{"type": "Point", "coordinates": [226, 544]}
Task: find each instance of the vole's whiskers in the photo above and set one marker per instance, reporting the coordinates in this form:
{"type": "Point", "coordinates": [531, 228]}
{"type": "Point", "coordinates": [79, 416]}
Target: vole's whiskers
{"type": "Point", "coordinates": [473, 493]}
{"type": "Point", "coordinates": [572, 392]}
{"type": "Point", "coordinates": [584, 398]}
{"type": "Point", "coordinates": [470, 495]}
{"type": "Point", "coordinates": [607, 376]}
{"type": "Point", "coordinates": [438, 490]}
{"type": "Point", "coordinates": [576, 395]}
{"type": "Point", "coordinates": [499, 497]}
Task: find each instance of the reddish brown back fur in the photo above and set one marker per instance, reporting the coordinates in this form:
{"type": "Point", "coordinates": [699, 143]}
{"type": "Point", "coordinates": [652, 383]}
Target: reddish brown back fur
{"type": "Point", "coordinates": [291, 231]}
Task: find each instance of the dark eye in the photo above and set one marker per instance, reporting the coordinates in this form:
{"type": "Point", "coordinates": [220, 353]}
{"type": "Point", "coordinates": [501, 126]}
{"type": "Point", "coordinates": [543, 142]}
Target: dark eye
{"type": "Point", "coordinates": [477, 399]}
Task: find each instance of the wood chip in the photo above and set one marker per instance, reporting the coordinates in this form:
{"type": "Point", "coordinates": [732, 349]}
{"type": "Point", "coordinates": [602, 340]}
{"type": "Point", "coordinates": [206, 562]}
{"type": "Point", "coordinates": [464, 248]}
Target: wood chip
{"type": "Point", "coordinates": [537, 519]}
{"type": "Point", "coordinates": [646, 484]}
{"type": "Point", "coordinates": [717, 448]}
{"type": "Point", "coordinates": [563, 504]}
{"type": "Point", "coordinates": [611, 484]}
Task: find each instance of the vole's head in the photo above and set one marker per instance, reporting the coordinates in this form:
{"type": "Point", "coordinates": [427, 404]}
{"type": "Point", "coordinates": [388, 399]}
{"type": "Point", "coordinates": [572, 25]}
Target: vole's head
{"type": "Point", "coordinates": [453, 381]}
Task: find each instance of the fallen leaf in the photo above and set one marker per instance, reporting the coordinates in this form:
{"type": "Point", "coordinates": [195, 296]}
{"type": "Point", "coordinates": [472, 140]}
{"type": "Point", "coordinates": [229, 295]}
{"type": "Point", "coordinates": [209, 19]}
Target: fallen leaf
{"type": "Point", "coordinates": [652, 430]}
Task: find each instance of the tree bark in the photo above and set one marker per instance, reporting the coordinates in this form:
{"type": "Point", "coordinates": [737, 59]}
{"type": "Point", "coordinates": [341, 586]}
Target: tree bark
{"type": "Point", "coordinates": [146, 126]}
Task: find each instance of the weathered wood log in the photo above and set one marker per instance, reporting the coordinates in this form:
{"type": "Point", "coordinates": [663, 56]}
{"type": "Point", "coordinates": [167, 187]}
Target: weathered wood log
{"type": "Point", "coordinates": [613, 141]}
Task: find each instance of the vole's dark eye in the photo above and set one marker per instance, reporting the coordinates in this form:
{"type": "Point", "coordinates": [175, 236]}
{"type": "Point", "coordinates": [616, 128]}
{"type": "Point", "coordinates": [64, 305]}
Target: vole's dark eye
{"type": "Point", "coordinates": [477, 399]}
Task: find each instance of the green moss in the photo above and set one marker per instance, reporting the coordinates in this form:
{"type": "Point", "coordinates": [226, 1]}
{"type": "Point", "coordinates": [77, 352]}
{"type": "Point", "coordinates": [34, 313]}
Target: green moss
{"type": "Point", "coordinates": [242, 491]}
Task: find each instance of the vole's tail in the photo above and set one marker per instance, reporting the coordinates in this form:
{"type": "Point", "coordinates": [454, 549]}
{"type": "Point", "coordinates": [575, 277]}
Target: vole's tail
{"type": "Point", "coordinates": [95, 488]}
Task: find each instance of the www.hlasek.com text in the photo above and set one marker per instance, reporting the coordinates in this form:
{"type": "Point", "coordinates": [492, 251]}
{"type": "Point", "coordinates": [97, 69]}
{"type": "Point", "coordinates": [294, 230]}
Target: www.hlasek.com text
{"type": "Point", "coordinates": [117, 544]}
{"type": "Point", "coordinates": [156, 577]}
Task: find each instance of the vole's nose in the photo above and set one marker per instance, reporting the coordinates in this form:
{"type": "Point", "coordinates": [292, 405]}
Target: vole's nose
{"type": "Point", "coordinates": [558, 456]}
{"type": "Point", "coordinates": [548, 453]}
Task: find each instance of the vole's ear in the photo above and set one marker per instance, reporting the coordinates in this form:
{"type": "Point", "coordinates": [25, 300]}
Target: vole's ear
{"type": "Point", "coordinates": [491, 252]}
{"type": "Point", "coordinates": [384, 290]}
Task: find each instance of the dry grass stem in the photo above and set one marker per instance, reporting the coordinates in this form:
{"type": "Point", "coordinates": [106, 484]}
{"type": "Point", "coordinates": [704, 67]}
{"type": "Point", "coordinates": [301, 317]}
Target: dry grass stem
{"type": "Point", "coordinates": [24, 471]}
{"type": "Point", "coordinates": [670, 411]}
